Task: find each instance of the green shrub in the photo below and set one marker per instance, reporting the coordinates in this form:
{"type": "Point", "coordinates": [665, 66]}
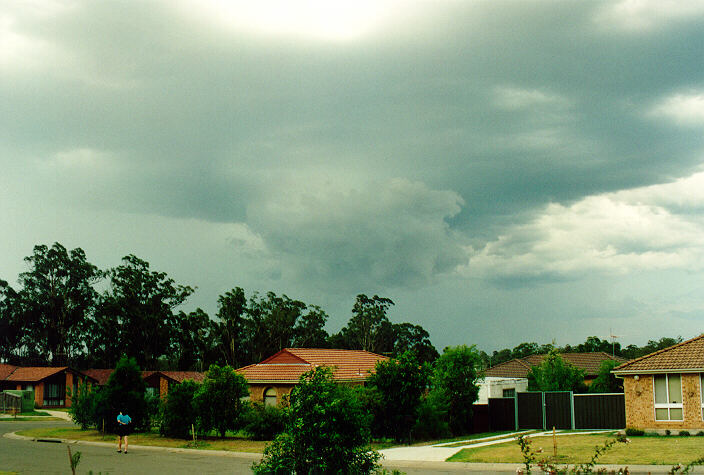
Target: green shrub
{"type": "Point", "coordinates": [124, 392]}
{"type": "Point", "coordinates": [700, 433]}
{"type": "Point", "coordinates": [327, 431]}
{"type": "Point", "coordinates": [633, 432]}
{"type": "Point", "coordinates": [264, 422]}
{"type": "Point", "coordinates": [431, 422]}
{"type": "Point", "coordinates": [218, 401]}
{"type": "Point", "coordinates": [684, 433]}
{"type": "Point", "coordinates": [82, 408]}
{"type": "Point", "coordinates": [178, 413]}
{"type": "Point", "coordinates": [667, 432]}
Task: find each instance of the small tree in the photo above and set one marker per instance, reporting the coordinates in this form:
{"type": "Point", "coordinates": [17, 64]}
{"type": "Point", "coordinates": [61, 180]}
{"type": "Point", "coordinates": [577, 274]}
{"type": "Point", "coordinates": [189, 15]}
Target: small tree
{"type": "Point", "coordinates": [555, 374]}
{"type": "Point", "coordinates": [179, 411]}
{"type": "Point", "coordinates": [124, 392]}
{"type": "Point", "coordinates": [394, 395]}
{"type": "Point", "coordinates": [218, 401]}
{"type": "Point", "coordinates": [605, 381]}
{"type": "Point", "coordinates": [455, 378]}
{"type": "Point", "coordinates": [83, 407]}
{"type": "Point", "coordinates": [327, 431]}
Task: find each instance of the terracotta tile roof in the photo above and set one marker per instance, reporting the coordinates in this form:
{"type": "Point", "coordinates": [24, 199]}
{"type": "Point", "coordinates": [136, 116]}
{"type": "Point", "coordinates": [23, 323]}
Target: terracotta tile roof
{"type": "Point", "coordinates": [6, 370]}
{"type": "Point", "coordinates": [509, 369]}
{"type": "Point", "coordinates": [685, 356]}
{"type": "Point", "coordinates": [34, 373]}
{"type": "Point", "coordinates": [181, 376]}
{"type": "Point", "coordinates": [518, 368]}
{"type": "Point", "coordinates": [100, 375]}
{"type": "Point", "coordinates": [290, 363]}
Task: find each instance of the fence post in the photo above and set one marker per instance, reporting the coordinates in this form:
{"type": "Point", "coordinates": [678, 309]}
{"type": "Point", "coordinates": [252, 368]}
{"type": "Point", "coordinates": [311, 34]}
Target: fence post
{"type": "Point", "coordinates": [572, 408]}
{"type": "Point", "coordinates": [515, 409]}
{"type": "Point", "coordinates": [542, 394]}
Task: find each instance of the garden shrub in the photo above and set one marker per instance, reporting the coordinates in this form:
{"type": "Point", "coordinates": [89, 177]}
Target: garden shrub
{"type": "Point", "coordinates": [700, 433]}
{"type": "Point", "coordinates": [431, 422]}
{"type": "Point", "coordinates": [327, 431]}
{"type": "Point", "coordinates": [264, 422]}
{"type": "Point", "coordinates": [633, 432]}
{"type": "Point", "coordinates": [218, 401]}
{"type": "Point", "coordinates": [667, 432]}
{"type": "Point", "coordinates": [82, 408]}
{"type": "Point", "coordinates": [125, 391]}
{"type": "Point", "coordinates": [684, 433]}
{"type": "Point", "coordinates": [178, 412]}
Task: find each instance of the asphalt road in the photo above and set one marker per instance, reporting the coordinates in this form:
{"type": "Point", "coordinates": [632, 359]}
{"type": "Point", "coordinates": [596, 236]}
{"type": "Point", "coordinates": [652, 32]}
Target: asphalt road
{"type": "Point", "coordinates": [28, 457]}
{"type": "Point", "coordinates": [24, 456]}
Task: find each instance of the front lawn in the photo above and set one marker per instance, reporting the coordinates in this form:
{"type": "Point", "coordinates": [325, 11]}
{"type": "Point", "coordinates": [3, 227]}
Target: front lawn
{"type": "Point", "coordinates": [233, 444]}
{"type": "Point", "coordinates": [575, 449]}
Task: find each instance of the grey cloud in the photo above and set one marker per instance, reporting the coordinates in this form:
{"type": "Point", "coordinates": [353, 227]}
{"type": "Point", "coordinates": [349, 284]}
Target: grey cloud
{"type": "Point", "coordinates": [377, 235]}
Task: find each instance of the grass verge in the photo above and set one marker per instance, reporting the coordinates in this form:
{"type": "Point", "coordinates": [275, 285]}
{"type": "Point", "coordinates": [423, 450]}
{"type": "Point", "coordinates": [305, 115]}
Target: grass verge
{"type": "Point", "coordinates": [576, 449]}
{"type": "Point", "coordinates": [27, 419]}
{"type": "Point", "coordinates": [233, 444]}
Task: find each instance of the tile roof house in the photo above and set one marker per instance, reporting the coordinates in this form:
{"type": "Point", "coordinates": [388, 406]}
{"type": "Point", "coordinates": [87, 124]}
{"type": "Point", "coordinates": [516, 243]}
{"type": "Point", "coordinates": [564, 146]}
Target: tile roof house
{"type": "Point", "coordinates": [158, 382]}
{"type": "Point", "coordinates": [52, 385]}
{"type": "Point", "coordinates": [507, 378]}
{"type": "Point", "coordinates": [663, 390]}
{"type": "Point", "coordinates": [274, 377]}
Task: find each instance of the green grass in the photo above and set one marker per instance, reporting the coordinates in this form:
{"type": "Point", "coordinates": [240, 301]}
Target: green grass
{"type": "Point", "coordinates": [29, 419]}
{"type": "Point", "coordinates": [574, 449]}
{"type": "Point", "coordinates": [7, 473]}
{"type": "Point", "coordinates": [234, 444]}
{"type": "Point", "coordinates": [34, 413]}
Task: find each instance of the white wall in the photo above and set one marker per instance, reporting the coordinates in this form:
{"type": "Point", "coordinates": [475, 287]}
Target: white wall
{"type": "Point", "coordinates": [493, 386]}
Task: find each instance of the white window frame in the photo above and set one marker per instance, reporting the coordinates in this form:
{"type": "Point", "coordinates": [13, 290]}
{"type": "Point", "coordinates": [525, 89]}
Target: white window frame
{"type": "Point", "coordinates": [669, 405]}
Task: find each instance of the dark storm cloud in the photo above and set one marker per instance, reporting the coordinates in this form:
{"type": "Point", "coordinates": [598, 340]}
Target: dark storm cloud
{"type": "Point", "coordinates": [458, 140]}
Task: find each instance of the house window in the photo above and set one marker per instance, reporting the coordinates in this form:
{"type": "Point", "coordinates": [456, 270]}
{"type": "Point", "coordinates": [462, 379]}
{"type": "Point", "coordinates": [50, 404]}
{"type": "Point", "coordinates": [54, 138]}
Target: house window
{"type": "Point", "coordinates": [668, 397]}
{"type": "Point", "coordinates": [54, 394]}
{"type": "Point", "coordinates": [153, 392]}
{"type": "Point", "coordinates": [510, 392]}
{"type": "Point", "coordinates": [270, 397]}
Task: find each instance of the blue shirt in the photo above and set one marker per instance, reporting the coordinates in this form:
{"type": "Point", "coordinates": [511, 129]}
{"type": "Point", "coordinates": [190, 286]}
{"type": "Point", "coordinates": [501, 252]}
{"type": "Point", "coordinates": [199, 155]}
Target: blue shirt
{"type": "Point", "coordinates": [124, 418]}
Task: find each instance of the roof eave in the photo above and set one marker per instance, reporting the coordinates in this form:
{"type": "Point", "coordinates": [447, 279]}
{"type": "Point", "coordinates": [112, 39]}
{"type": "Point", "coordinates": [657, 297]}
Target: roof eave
{"type": "Point", "coordinates": [657, 371]}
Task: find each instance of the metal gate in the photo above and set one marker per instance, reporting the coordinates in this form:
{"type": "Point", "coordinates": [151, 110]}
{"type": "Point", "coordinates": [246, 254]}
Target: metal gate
{"type": "Point", "coordinates": [530, 410]}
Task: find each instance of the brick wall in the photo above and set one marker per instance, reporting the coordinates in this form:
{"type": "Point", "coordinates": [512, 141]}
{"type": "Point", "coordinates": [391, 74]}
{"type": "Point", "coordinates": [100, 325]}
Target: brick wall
{"type": "Point", "coordinates": [640, 404]}
{"type": "Point", "coordinates": [256, 391]}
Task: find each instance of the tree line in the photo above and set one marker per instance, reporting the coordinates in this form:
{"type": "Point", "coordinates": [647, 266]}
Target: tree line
{"type": "Point", "coordinates": [591, 344]}
{"type": "Point", "coordinates": [67, 311]}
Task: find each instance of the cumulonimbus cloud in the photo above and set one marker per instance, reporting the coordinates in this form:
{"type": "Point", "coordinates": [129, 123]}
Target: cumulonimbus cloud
{"type": "Point", "coordinates": [381, 234]}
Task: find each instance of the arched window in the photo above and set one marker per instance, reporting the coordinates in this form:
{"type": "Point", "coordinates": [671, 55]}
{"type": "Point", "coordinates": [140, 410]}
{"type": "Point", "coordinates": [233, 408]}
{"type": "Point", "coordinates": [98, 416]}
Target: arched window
{"type": "Point", "coordinates": [270, 397]}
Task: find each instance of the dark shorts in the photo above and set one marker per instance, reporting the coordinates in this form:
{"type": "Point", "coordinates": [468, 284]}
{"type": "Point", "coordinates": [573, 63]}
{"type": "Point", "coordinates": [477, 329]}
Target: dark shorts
{"type": "Point", "coordinates": [123, 430]}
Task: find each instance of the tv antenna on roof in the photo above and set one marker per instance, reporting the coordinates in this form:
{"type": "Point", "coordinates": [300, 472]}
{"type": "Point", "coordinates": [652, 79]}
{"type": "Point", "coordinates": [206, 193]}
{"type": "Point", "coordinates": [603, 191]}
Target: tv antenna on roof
{"type": "Point", "coordinates": [613, 342]}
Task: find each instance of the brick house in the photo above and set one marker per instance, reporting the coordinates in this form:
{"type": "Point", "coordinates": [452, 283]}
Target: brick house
{"type": "Point", "coordinates": [663, 390]}
{"type": "Point", "coordinates": [52, 386]}
{"type": "Point", "coordinates": [507, 378]}
{"type": "Point", "coordinates": [275, 377]}
{"type": "Point", "coordinates": [158, 382]}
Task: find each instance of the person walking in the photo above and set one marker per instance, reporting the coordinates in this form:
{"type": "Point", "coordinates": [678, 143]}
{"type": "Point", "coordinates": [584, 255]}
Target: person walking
{"type": "Point", "coordinates": [123, 430]}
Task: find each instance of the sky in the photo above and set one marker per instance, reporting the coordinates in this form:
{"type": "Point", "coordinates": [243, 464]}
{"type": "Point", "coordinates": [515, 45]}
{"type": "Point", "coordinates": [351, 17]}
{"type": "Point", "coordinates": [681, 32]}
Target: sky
{"type": "Point", "coordinates": [504, 171]}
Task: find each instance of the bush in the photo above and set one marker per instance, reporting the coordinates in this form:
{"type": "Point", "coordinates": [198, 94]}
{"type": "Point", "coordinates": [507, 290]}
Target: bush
{"type": "Point", "coordinates": [684, 433]}
{"type": "Point", "coordinates": [432, 419]}
{"type": "Point", "coordinates": [633, 432]}
{"type": "Point", "coordinates": [327, 431]}
{"type": "Point", "coordinates": [124, 392]}
{"type": "Point", "coordinates": [264, 422]}
{"type": "Point", "coordinates": [218, 401]}
{"type": "Point", "coordinates": [700, 433]}
{"type": "Point", "coordinates": [178, 413]}
{"type": "Point", "coordinates": [667, 432]}
{"type": "Point", "coordinates": [82, 408]}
